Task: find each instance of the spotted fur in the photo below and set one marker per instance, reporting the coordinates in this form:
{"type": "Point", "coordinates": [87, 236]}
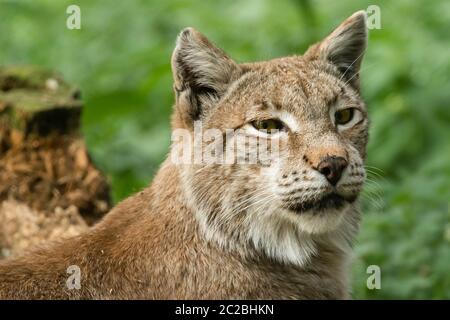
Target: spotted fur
{"type": "Point", "coordinates": [215, 231]}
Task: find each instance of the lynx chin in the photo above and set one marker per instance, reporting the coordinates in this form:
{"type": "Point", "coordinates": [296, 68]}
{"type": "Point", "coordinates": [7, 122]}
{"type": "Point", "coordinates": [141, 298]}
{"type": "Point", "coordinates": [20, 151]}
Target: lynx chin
{"type": "Point", "coordinates": [276, 228]}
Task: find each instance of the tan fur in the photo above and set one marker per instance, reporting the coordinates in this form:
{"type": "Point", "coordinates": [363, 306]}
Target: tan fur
{"type": "Point", "coordinates": [224, 231]}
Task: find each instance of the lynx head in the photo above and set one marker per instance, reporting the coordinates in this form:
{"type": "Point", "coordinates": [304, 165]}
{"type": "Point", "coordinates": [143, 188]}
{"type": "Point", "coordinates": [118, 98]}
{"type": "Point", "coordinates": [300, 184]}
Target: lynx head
{"type": "Point", "coordinates": [307, 110]}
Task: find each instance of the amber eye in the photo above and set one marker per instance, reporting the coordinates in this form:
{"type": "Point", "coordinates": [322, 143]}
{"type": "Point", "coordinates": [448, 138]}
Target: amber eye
{"type": "Point", "coordinates": [268, 125]}
{"type": "Point", "coordinates": [344, 116]}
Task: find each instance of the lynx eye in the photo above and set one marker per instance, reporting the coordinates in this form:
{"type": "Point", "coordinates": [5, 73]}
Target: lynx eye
{"type": "Point", "coordinates": [344, 116]}
{"type": "Point", "coordinates": [267, 125]}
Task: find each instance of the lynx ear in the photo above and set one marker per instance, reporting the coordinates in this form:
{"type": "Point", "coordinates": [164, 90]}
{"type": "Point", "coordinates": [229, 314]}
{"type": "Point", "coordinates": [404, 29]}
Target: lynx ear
{"type": "Point", "coordinates": [345, 47]}
{"type": "Point", "coordinates": [201, 71]}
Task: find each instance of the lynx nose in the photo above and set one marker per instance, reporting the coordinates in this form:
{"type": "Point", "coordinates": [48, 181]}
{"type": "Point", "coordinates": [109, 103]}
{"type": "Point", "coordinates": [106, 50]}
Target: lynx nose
{"type": "Point", "coordinates": [331, 167]}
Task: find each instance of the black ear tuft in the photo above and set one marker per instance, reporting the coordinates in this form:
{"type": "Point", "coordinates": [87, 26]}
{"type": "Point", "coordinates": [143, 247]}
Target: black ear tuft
{"type": "Point", "coordinates": [345, 47]}
{"type": "Point", "coordinates": [201, 71]}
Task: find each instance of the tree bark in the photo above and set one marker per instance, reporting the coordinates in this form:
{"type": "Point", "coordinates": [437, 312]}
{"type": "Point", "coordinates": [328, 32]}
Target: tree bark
{"type": "Point", "coordinates": [47, 178]}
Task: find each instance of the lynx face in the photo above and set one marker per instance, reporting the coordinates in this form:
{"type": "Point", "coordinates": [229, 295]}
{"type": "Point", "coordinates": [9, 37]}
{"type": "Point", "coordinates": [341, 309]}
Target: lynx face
{"type": "Point", "coordinates": [286, 201]}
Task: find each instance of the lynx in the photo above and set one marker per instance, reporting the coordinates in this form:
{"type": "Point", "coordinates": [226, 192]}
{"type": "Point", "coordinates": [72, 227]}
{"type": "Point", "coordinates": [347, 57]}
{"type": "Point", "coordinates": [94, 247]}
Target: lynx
{"type": "Point", "coordinates": [281, 228]}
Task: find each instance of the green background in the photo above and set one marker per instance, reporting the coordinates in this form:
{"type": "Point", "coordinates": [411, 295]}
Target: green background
{"type": "Point", "coordinates": [121, 61]}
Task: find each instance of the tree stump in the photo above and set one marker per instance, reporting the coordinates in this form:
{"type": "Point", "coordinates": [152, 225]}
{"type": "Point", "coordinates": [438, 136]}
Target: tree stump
{"type": "Point", "coordinates": [49, 187]}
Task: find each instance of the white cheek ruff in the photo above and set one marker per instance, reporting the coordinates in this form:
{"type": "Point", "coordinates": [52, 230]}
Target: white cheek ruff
{"type": "Point", "coordinates": [278, 235]}
{"type": "Point", "coordinates": [319, 223]}
{"type": "Point", "coordinates": [266, 228]}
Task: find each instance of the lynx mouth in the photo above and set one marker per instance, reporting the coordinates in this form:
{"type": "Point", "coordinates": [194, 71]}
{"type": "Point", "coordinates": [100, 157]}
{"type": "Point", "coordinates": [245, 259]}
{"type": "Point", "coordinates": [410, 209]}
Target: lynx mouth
{"type": "Point", "coordinates": [327, 202]}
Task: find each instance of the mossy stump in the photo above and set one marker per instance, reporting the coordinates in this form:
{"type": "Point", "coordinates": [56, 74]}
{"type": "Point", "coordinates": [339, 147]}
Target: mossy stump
{"type": "Point", "coordinates": [44, 163]}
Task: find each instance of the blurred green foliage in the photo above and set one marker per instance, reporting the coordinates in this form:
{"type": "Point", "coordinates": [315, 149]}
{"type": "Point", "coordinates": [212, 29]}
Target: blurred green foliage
{"type": "Point", "coordinates": [121, 61]}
